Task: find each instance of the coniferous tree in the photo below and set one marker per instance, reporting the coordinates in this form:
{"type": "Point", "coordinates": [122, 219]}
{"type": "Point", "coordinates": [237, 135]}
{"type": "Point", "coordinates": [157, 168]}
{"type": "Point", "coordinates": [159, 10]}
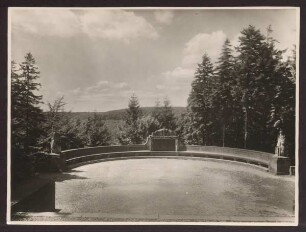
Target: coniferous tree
{"type": "Point", "coordinates": [200, 101]}
{"type": "Point", "coordinates": [130, 132]}
{"type": "Point", "coordinates": [164, 115]}
{"type": "Point", "coordinates": [95, 132]}
{"type": "Point", "coordinates": [148, 125]}
{"type": "Point", "coordinates": [282, 112]}
{"type": "Point", "coordinates": [26, 114]}
{"type": "Point", "coordinates": [156, 113]}
{"type": "Point", "coordinates": [245, 99]}
{"type": "Point", "coordinates": [168, 120]}
{"type": "Point", "coordinates": [26, 117]}
{"type": "Point", "coordinates": [17, 123]}
{"type": "Point", "coordinates": [251, 79]}
{"type": "Point", "coordinates": [185, 129]}
{"type": "Point", "coordinates": [71, 133]}
{"type": "Point", "coordinates": [224, 103]}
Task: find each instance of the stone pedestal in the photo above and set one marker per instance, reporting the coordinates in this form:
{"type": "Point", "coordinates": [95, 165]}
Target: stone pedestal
{"type": "Point", "coordinates": [163, 144]}
{"type": "Point", "coordinates": [163, 140]}
{"type": "Point", "coordinates": [279, 165]}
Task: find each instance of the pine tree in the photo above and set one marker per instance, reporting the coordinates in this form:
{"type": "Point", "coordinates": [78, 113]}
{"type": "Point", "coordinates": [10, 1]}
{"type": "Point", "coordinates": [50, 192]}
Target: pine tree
{"type": "Point", "coordinates": [26, 113]}
{"type": "Point", "coordinates": [282, 112]}
{"type": "Point", "coordinates": [224, 96]}
{"type": "Point", "coordinates": [133, 113]}
{"type": "Point", "coordinates": [71, 133]}
{"type": "Point", "coordinates": [95, 132]}
{"type": "Point", "coordinates": [200, 101]}
{"type": "Point", "coordinates": [130, 132]}
{"type": "Point", "coordinates": [251, 77]}
{"type": "Point", "coordinates": [17, 122]}
{"type": "Point", "coordinates": [168, 118]}
{"type": "Point", "coordinates": [26, 117]}
{"type": "Point", "coordinates": [148, 125]}
{"type": "Point", "coordinates": [164, 115]}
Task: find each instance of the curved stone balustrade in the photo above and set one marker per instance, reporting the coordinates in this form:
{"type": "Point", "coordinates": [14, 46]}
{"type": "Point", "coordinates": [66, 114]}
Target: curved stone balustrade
{"type": "Point", "coordinates": [73, 153]}
{"type": "Point", "coordinates": [262, 158]}
{"type": "Point", "coordinates": [77, 157]}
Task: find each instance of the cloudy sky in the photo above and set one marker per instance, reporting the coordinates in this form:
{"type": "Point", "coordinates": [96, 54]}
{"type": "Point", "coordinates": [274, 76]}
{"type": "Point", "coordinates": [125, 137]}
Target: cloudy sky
{"type": "Point", "coordinates": [96, 58]}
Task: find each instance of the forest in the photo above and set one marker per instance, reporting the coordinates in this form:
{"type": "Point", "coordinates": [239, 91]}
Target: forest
{"type": "Point", "coordinates": [243, 100]}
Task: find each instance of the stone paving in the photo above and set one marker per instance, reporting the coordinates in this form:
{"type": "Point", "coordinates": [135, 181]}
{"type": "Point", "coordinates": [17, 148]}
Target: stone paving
{"type": "Point", "coordinates": [171, 190]}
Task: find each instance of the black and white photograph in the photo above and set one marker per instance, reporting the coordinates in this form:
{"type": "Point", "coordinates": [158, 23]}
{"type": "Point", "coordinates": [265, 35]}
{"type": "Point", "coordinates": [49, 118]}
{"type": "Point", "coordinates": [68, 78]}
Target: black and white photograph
{"type": "Point", "coordinates": [153, 116]}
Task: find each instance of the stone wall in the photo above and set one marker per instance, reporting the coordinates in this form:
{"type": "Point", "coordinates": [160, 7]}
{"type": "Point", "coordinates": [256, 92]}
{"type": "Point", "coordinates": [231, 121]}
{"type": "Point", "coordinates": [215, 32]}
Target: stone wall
{"type": "Point", "coordinates": [259, 156]}
{"type": "Point", "coordinates": [85, 155]}
{"type": "Point", "coordinates": [69, 154]}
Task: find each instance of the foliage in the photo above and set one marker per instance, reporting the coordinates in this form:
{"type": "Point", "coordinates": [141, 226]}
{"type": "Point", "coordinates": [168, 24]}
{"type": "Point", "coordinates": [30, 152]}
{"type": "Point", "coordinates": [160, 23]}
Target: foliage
{"type": "Point", "coordinates": [130, 131]}
{"type": "Point", "coordinates": [26, 115]}
{"type": "Point", "coordinates": [239, 103]}
{"type": "Point", "coordinates": [200, 102]}
{"type": "Point", "coordinates": [164, 115]}
{"type": "Point", "coordinates": [95, 132]}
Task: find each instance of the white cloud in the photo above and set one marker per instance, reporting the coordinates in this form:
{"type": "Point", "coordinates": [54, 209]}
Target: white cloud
{"type": "Point", "coordinates": [179, 76]}
{"type": "Point", "coordinates": [182, 75]}
{"type": "Point", "coordinates": [63, 23]}
{"type": "Point", "coordinates": [176, 83]}
{"type": "Point", "coordinates": [116, 24]}
{"type": "Point", "coordinates": [203, 43]}
{"type": "Point", "coordinates": [107, 24]}
{"type": "Point", "coordinates": [102, 88]}
{"type": "Point", "coordinates": [164, 16]}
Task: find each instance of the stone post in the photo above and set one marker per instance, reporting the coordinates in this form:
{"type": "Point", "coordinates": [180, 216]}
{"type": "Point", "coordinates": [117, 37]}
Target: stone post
{"type": "Point", "coordinates": [280, 163]}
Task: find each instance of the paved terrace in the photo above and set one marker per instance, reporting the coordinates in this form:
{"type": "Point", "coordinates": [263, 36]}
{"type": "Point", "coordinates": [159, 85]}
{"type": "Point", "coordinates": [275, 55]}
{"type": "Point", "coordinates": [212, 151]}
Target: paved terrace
{"type": "Point", "coordinates": [203, 184]}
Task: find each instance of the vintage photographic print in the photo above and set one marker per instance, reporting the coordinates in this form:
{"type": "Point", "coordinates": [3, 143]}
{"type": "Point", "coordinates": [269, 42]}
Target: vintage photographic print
{"type": "Point", "coordinates": [153, 116]}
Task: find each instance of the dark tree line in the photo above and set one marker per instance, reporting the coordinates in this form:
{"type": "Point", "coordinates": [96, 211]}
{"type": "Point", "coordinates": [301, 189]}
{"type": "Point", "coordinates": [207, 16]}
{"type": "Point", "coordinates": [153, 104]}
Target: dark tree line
{"type": "Point", "coordinates": [246, 99]}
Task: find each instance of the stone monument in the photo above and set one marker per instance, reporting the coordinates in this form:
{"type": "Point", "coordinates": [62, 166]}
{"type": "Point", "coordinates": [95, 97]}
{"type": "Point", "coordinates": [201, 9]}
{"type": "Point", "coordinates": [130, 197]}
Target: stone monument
{"type": "Point", "coordinates": [163, 140]}
{"type": "Point", "coordinates": [280, 163]}
{"type": "Point", "coordinates": [55, 143]}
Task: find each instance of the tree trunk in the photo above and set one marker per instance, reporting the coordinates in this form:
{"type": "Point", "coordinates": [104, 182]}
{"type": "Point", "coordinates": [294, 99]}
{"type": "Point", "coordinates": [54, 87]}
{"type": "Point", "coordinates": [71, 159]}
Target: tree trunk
{"type": "Point", "coordinates": [223, 135]}
{"type": "Point", "coordinates": [246, 128]}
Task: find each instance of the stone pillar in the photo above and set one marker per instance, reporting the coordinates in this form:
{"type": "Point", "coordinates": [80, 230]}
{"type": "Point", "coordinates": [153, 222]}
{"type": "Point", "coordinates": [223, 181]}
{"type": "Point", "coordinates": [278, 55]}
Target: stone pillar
{"type": "Point", "coordinates": [280, 163]}
{"type": "Point", "coordinates": [55, 143]}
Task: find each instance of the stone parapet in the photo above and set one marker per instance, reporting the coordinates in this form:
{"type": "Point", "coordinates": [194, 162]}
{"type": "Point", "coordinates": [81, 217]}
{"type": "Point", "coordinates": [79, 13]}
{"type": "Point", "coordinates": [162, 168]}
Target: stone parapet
{"type": "Point", "coordinates": [279, 165]}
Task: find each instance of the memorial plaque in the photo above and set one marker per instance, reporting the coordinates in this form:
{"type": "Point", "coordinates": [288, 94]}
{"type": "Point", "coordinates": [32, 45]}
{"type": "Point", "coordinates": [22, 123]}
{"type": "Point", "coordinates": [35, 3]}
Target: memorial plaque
{"type": "Point", "coordinates": [163, 144]}
{"type": "Point", "coordinates": [163, 140]}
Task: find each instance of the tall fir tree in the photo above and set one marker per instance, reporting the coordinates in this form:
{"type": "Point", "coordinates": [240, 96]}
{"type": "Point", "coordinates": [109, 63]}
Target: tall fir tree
{"type": "Point", "coordinates": [26, 113]}
{"type": "Point", "coordinates": [224, 103]}
{"type": "Point", "coordinates": [252, 79]}
{"type": "Point", "coordinates": [26, 117]}
{"type": "Point", "coordinates": [200, 101]}
{"type": "Point", "coordinates": [130, 132]}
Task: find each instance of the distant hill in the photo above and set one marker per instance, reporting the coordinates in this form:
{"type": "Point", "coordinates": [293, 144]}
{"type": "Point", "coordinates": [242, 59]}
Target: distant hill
{"type": "Point", "coordinates": [119, 114]}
